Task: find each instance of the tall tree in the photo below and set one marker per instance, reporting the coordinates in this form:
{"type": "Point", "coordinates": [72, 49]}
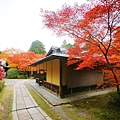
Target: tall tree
{"type": "Point", "coordinates": [66, 45]}
{"type": "Point", "coordinates": [11, 51]}
{"type": "Point", "coordinates": [22, 60]}
{"type": "Point", "coordinates": [95, 27]}
{"type": "Point", "coordinates": [3, 55]}
{"type": "Point", "coordinates": [37, 47]}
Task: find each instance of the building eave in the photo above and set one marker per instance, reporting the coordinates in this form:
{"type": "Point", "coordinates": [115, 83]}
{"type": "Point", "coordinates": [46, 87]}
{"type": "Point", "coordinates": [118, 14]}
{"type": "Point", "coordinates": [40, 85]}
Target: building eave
{"type": "Point", "coordinates": [48, 58]}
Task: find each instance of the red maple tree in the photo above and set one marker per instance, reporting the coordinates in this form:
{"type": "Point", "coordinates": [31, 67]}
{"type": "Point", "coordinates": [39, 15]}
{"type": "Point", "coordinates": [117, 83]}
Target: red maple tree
{"type": "Point", "coordinates": [23, 59]}
{"type": "Point", "coordinates": [1, 71]}
{"type": "Point", "coordinates": [95, 28]}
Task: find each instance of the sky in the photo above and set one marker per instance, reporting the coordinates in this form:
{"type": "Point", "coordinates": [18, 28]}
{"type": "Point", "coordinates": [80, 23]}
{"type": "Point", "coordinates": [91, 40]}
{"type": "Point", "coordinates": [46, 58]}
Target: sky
{"type": "Point", "coordinates": [21, 23]}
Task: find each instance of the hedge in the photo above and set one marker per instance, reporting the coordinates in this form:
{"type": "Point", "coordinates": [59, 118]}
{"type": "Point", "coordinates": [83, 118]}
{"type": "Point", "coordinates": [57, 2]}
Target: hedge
{"type": "Point", "coordinates": [22, 76]}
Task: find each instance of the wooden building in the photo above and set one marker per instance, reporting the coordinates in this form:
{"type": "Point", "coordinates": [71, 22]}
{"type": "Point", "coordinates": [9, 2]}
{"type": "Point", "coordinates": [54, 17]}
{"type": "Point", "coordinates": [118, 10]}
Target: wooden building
{"type": "Point", "coordinates": [61, 79]}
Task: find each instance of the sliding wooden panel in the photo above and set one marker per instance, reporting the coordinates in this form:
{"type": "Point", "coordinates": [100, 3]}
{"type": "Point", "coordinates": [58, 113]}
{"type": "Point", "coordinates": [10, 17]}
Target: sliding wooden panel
{"type": "Point", "coordinates": [49, 72]}
{"type": "Point", "coordinates": [37, 67]}
{"type": "Point", "coordinates": [44, 66]}
{"type": "Point", "coordinates": [56, 72]}
{"type": "Point", "coordinates": [41, 66]}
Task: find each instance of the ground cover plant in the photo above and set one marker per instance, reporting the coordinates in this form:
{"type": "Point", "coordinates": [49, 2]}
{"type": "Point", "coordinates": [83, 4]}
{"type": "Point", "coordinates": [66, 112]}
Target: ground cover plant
{"type": "Point", "coordinates": [6, 99]}
{"type": "Point", "coordinates": [103, 107]}
{"type": "Point", "coordinates": [2, 82]}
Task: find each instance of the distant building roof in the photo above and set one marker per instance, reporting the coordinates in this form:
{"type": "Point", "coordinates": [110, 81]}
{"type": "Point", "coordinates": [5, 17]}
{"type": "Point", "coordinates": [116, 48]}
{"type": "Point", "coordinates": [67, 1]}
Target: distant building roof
{"type": "Point", "coordinates": [55, 49]}
{"type": "Point", "coordinates": [53, 53]}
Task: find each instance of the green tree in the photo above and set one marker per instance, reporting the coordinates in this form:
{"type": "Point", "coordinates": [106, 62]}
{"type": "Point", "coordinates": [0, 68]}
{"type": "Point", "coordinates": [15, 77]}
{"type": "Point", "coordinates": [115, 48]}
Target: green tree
{"type": "Point", "coordinates": [37, 47]}
{"type": "Point", "coordinates": [66, 45]}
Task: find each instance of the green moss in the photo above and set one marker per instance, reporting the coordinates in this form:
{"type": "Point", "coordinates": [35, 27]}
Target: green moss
{"type": "Point", "coordinates": [2, 82]}
{"type": "Point", "coordinates": [103, 107]}
{"type": "Point", "coordinates": [44, 105]}
{"type": "Point", "coordinates": [6, 100]}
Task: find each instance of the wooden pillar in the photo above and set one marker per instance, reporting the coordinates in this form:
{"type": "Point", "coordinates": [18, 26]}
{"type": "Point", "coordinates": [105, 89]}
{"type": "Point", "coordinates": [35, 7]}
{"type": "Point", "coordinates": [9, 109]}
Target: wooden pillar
{"type": "Point", "coordinates": [61, 89]}
{"type": "Point", "coordinates": [51, 74]}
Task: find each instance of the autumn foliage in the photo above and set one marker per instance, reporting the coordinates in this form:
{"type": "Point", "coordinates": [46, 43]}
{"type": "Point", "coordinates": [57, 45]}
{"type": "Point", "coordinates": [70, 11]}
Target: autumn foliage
{"type": "Point", "coordinates": [9, 52]}
{"type": "Point", "coordinates": [95, 28]}
{"type": "Point", "coordinates": [19, 59]}
{"type": "Point", "coordinates": [23, 59]}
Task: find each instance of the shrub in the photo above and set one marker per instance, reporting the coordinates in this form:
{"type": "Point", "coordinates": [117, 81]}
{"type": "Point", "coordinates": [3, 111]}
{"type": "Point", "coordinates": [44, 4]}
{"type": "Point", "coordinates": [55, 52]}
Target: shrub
{"type": "Point", "coordinates": [22, 76]}
{"type": "Point", "coordinates": [12, 73]}
{"type": "Point", "coordinates": [21, 73]}
{"type": "Point", "coordinates": [2, 82]}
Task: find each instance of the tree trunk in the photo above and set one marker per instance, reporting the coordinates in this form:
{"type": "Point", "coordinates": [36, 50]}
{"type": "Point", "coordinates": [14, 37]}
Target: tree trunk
{"type": "Point", "coordinates": [117, 85]}
{"type": "Point", "coordinates": [112, 70]}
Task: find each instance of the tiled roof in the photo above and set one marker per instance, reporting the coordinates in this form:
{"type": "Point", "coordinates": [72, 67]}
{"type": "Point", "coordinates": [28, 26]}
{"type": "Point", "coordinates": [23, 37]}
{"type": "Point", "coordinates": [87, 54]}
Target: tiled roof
{"type": "Point", "coordinates": [53, 53]}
